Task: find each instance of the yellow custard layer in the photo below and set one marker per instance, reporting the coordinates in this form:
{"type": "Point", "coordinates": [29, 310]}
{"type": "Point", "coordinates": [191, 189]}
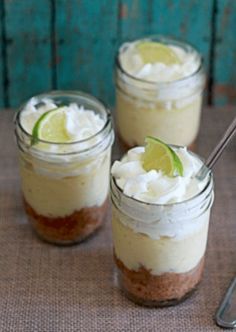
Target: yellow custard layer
{"type": "Point", "coordinates": [162, 255]}
{"type": "Point", "coordinates": [177, 125]}
{"type": "Point", "coordinates": [59, 195]}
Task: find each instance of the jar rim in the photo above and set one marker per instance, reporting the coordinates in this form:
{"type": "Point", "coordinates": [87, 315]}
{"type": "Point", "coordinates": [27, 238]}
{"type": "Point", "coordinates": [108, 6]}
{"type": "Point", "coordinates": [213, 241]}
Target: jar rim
{"type": "Point", "coordinates": [167, 205]}
{"type": "Point", "coordinates": [160, 84]}
{"type": "Point", "coordinates": [67, 93]}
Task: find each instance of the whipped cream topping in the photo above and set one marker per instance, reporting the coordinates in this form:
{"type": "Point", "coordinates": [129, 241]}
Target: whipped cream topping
{"type": "Point", "coordinates": [80, 123]}
{"type": "Point", "coordinates": [82, 126]}
{"type": "Point", "coordinates": [132, 63]}
{"type": "Point", "coordinates": [153, 186]}
{"type": "Point", "coordinates": [86, 153]}
{"type": "Point", "coordinates": [155, 220]}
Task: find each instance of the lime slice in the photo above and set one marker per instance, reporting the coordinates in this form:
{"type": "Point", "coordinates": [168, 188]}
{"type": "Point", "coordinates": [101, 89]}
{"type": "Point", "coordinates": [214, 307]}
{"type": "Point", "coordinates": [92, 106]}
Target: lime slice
{"type": "Point", "coordinates": [152, 52]}
{"type": "Point", "coordinates": [160, 157]}
{"type": "Point", "coordinates": [50, 127]}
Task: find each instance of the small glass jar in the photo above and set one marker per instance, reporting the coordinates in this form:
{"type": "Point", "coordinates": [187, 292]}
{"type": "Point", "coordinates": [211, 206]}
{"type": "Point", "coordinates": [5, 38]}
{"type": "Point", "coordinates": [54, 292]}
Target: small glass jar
{"type": "Point", "coordinates": [168, 110]}
{"type": "Point", "coordinates": [65, 185]}
{"type": "Point", "coordinates": [159, 249]}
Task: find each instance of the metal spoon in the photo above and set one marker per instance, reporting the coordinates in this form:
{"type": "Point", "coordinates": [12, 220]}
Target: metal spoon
{"type": "Point", "coordinates": [226, 313]}
{"type": "Point", "coordinates": [217, 151]}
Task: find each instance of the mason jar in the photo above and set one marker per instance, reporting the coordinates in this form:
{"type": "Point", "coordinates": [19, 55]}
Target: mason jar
{"type": "Point", "coordinates": [159, 249]}
{"type": "Point", "coordinates": [169, 109]}
{"type": "Point", "coordinates": [65, 185]}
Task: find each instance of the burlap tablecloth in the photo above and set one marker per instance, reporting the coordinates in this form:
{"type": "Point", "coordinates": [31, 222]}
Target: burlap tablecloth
{"type": "Point", "coordinates": [49, 288]}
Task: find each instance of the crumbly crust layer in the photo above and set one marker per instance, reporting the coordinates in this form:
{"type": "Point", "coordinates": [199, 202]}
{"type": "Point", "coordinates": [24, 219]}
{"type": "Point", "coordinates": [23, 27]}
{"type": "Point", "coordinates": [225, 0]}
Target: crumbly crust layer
{"type": "Point", "coordinates": [69, 229]}
{"type": "Point", "coordinates": [151, 290]}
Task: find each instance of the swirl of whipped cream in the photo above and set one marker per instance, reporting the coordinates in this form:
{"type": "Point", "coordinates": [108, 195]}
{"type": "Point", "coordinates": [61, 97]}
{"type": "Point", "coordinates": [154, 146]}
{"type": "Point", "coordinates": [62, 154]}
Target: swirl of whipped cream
{"type": "Point", "coordinates": [83, 126]}
{"type": "Point", "coordinates": [161, 218]}
{"type": "Point", "coordinates": [80, 123]}
{"type": "Point", "coordinates": [133, 64]}
{"type": "Point", "coordinates": [153, 186]}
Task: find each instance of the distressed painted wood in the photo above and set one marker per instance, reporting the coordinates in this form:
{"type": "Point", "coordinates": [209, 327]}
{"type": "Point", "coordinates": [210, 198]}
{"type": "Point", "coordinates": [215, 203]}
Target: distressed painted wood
{"type": "Point", "coordinates": [178, 18]}
{"type": "Point", "coordinates": [28, 32]}
{"type": "Point", "coordinates": [86, 42]}
{"type": "Point", "coordinates": [185, 19]}
{"type": "Point", "coordinates": [134, 19]}
{"type": "Point", "coordinates": [225, 53]}
{"type": "Point", "coordinates": [71, 44]}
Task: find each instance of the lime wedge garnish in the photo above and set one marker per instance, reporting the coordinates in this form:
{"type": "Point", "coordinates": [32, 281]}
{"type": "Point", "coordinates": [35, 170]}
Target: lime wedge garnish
{"type": "Point", "coordinates": [160, 157]}
{"type": "Point", "coordinates": [152, 52]}
{"type": "Point", "coordinates": [51, 127]}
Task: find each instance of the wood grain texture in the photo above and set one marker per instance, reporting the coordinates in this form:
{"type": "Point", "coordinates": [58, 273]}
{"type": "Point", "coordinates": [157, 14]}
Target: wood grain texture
{"type": "Point", "coordinates": [134, 19]}
{"type": "Point", "coordinates": [225, 53]}
{"type": "Point", "coordinates": [183, 19]}
{"type": "Point", "coordinates": [72, 44]}
{"type": "Point", "coordinates": [28, 48]}
{"type": "Point", "coordinates": [86, 42]}
{"type": "Point", "coordinates": [187, 20]}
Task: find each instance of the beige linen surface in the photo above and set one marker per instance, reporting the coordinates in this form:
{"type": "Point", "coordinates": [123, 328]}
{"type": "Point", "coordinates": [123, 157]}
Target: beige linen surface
{"type": "Point", "coordinates": [49, 288]}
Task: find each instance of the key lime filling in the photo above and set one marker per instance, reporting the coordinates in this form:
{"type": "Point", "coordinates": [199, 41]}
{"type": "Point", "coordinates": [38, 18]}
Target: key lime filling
{"type": "Point", "coordinates": [57, 179]}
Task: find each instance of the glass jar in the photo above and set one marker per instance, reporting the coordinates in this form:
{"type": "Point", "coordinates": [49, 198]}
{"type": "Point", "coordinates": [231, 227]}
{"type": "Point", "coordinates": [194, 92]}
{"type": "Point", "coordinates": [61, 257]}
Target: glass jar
{"type": "Point", "coordinates": [159, 249]}
{"type": "Point", "coordinates": [65, 185]}
{"type": "Point", "coordinates": [169, 110]}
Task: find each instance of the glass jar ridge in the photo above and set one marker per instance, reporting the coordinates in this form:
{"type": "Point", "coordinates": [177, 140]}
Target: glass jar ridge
{"type": "Point", "coordinates": [141, 215]}
{"type": "Point", "coordinates": [65, 185]}
{"type": "Point", "coordinates": [169, 110]}
{"type": "Point", "coordinates": [159, 249]}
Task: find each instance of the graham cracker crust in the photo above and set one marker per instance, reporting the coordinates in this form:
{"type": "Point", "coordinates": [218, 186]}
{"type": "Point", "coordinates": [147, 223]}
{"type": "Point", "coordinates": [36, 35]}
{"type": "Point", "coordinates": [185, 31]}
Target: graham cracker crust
{"type": "Point", "coordinates": [167, 289]}
{"type": "Point", "coordinates": [69, 229]}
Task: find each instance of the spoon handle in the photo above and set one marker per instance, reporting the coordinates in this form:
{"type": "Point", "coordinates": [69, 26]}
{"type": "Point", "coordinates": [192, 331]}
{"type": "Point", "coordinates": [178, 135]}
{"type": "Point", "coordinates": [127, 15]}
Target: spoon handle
{"type": "Point", "coordinates": [226, 313]}
{"type": "Point", "coordinates": [228, 135]}
{"type": "Point", "coordinates": [217, 151]}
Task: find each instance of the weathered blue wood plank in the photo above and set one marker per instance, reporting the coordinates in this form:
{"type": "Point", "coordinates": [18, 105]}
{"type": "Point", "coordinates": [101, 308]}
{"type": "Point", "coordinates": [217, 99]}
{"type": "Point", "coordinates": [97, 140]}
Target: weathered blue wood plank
{"type": "Point", "coordinates": [189, 20]}
{"type": "Point", "coordinates": [87, 34]}
{"type": "Point", "coordinates": [86, 41]}
{"type": "Point", "coordinates": [2, 101]}
{"type": "Point", "coordinates": [134, 19]}
{"type": "Point", "coordinates": [28, 32]}
{"type": "Point", "coordinates": [225, 53]}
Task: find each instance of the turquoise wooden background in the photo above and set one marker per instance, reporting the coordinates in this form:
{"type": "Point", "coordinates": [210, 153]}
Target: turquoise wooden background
{"type": "Point", "coordinates": [70, 44]}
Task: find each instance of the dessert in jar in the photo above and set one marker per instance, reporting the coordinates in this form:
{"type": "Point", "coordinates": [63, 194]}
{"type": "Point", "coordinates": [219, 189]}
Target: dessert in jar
{"type": "Point", "coordinates": [159, 91]}
{"type": "Point", "coordinates": [160, 225]}
{"type": "Point", "coordinates": [64, 140]}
